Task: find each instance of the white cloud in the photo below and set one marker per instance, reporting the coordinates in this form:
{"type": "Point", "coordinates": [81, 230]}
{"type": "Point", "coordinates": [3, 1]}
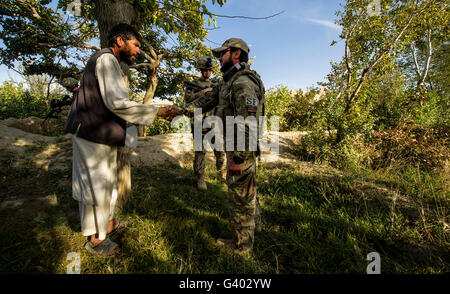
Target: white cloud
{"type": "Point", "coordinates": [325, 23]}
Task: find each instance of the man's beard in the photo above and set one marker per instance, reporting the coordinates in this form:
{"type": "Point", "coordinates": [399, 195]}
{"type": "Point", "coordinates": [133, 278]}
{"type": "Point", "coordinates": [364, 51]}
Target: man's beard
{"type": "Point", "coordinates": [226, 66]}
{"type": "Point", "coordinates": [125, 56]}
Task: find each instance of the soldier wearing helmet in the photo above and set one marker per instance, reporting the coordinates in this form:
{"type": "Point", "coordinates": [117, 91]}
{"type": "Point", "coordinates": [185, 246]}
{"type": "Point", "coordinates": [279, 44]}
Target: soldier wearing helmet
{"type": "Point", "coordinates": [240, 94]}
{"type": "Point", "coordinates": [70, 84]}
{"type": "Point", "coordinates": [204, 64]}
{"type": "Point", "coordinates": [59, 108]}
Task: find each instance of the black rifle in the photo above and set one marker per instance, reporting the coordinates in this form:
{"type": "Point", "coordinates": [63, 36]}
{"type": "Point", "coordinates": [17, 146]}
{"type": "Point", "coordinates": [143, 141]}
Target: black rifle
{"type": "Point", "coordinates": [56, 105]}
{"type": "Point", "coordinates": [192, 86]}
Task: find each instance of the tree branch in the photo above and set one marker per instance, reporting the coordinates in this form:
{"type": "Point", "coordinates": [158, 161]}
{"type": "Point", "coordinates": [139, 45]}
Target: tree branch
{"type": "Point", "coordinates": [143, 65]}
{"type": "Point", "coordinates": [249, 17]}
{"type": "Point", "coordinates": [378, 60]}
{"type": "Point", "coordinates": [176, 73]}
{"type": "Point", "coordinates": [428, 60]}
{"type": "Point", "coordinates": [220, 15]}
{"type": "Point", "coordinates": [348, 62]}
{"type": "Point", "coordinates": [416, 63]}
{"type": "Point", "coordinates": [34, 13]}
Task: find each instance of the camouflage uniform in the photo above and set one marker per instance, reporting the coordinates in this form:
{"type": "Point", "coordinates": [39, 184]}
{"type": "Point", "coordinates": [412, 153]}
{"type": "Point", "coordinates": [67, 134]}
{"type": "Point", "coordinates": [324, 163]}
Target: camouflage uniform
{"type": "Point", "coordinates": [199, 156]}
{"type": "Point", "coordinates": [68, 83]}
{"type": "Point", "coordinates": [240, 93]}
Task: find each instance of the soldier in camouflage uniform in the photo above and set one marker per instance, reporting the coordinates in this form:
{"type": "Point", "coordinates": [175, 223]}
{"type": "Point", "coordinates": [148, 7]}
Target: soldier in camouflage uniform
{"type": "Point", "coordinates": [59, 108]}
{"type": "Point", "coordinates": [240, 93]}
{"type": "Point", "coordinates": [71, 85]}
{"type": "Point", "coordinates": [204, 64]}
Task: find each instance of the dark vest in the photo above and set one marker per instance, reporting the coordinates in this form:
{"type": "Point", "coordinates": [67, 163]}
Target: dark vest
{"type": "Point", "coordinates": [89, 113]}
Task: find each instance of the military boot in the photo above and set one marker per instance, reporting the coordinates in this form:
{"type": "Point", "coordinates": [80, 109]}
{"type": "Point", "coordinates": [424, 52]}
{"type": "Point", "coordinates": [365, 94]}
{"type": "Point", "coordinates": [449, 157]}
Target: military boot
{"type": "Point", "coordinates": [201, 184]}
{"type": "Point", "coordinates": [229, 243]}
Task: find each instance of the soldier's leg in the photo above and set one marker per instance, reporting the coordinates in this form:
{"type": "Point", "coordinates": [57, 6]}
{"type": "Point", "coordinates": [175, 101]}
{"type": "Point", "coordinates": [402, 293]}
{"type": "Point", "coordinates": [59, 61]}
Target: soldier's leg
{"type": "Point", "coordinates": [199, 163]}
{"type": "Point", "coordinates": [242, 205]}
{"type": "Point", "coordinates": [220, 162]}
{"type": "Point", "coordinates": [258, 221]}
{"type": "Point", "coordinates": [199, 169]}
{"type": "Point", "coordinates": [220, 159]}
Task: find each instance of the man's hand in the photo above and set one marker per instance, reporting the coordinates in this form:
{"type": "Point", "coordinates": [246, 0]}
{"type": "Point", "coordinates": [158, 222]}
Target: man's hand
{"type": "Point", "coordinates": [235, 169]}
{"type": "Point", "coordinates": [204, 91]}
{"type": "Point", "coordinates": [169, 112]}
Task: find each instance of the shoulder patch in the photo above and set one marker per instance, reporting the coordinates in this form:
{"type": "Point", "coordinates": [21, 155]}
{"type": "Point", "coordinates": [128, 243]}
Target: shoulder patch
{"type": "Point", "coordinates": [251, 101]}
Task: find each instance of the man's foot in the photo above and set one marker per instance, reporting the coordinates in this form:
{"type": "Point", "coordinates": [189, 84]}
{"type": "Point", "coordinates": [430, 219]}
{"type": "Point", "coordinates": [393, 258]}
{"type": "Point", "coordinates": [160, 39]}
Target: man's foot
{"type": "Point", "coordinates": [105, 248]}
{"type": "Point", "coordinates": [116, 227]}
{"type": "Point", "coordinates": [112, 225]}
{"type": "Point", "coordinates": [201, 184]}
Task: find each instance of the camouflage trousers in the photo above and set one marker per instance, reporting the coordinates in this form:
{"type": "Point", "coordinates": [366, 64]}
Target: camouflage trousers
{"type": "Point", "coordinates": [200, 163]}
{"type": "Point", "coordinates": [243, 205]}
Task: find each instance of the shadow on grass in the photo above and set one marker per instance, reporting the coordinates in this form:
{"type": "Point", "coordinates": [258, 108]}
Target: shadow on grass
{"type": "Point", "coordinates": [34, 208]}
{"type": "Point", "coordinates": [311, 224]}
{"type": "Point", "coordinates": [187, 221]}
{"type": "Point", "coordinates": [323, 224]}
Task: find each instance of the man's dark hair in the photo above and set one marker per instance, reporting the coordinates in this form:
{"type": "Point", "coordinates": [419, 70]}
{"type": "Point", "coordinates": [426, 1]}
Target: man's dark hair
{"type": "Point", "coordinates": [244, 55]}
{"type": "Point", "coordinates": [125, 31]}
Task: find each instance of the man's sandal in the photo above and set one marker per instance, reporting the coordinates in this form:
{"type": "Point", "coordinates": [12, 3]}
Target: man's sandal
{"type": "Point", "coordinates": [120, 228]}
{"type": "Point", "coordinates": [103, 249]}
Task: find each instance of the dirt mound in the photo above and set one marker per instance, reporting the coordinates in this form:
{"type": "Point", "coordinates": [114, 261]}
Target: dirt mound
{"type": "Point", "coordinates": [36, 125]}
{"type": "Point", "coordinates": [25, 140]}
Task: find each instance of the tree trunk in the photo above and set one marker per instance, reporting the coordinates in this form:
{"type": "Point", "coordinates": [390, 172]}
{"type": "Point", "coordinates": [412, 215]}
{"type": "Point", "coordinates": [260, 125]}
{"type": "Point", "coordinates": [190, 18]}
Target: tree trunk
{"type": "Point", "coordinates": [110, 13]}
{"type": "Point", "coordinates": [152, 80]}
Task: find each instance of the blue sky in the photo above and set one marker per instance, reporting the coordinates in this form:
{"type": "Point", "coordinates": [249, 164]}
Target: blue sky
{"type": "Point", "coordinates": [292, 49]}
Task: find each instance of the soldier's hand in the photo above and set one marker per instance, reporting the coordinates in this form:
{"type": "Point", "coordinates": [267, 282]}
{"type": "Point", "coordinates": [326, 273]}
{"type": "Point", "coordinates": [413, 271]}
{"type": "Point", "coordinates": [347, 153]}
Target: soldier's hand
{"type": "Point", "coordinates": [204, 91]}
{"type": "Point", "coordinates": [235, 169]}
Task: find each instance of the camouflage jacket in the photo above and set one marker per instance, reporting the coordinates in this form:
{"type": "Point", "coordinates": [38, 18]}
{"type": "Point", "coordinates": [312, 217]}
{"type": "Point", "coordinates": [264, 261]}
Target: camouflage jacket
{"type": "Point", "coordinates": [240, 93]}
{"type": "Point", "coordinates": [190, 94]}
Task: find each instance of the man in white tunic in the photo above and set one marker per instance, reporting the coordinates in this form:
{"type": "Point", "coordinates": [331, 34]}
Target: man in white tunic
{"type": "Point", "coordinates": [97, 120]}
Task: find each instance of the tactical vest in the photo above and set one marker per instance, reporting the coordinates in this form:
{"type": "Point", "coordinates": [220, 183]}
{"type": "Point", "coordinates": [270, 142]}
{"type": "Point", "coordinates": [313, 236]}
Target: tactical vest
{"type": "Point", "coordinates": [89, 118]}
{"type": "Point", "coordinates": [227, 105]}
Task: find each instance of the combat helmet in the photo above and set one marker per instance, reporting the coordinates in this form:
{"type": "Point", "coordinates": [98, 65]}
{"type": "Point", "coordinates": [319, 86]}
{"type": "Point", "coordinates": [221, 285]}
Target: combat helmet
{"type": "Point", "coordinates": [204, 63]}
{"type": "Point", "coordinates": [69, 82]}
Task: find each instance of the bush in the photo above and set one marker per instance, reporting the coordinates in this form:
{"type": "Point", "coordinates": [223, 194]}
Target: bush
{"type": "Point", "coordinates": [160, 126]}
{"type": "Point", "coordinates": [350, 153]}
{"type": "Point", "coordinates": [410, 145]}
{"type": "Point", "coordinates": [19, 103]}
{"type": "Point", "coordinates": [295, 111]}
{"type": "Point", "coordinates": [434, 112]}
{"type": "Point", "coordinates": [407, 145]}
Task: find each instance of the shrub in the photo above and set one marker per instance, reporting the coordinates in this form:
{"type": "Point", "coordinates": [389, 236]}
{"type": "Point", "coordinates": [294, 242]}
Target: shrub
{"type": "Point", "coordinates": [410, 145]}
{"type": "Point", "coordinates": [19, 103]}
{"type": "Point", "coordinates": [160, 126]}
{"type": "Point", "coordinates": [295, 111]}
{"type": "Point", "coordinates": [350, 153]}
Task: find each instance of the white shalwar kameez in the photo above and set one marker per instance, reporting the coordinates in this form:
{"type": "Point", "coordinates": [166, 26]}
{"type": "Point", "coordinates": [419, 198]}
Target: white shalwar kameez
{"type": "Point", "coordinates": [94, 170]}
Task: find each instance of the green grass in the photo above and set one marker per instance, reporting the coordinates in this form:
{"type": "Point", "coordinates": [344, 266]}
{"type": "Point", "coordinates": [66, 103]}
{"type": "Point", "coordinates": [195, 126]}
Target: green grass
{"type": "Point", "coordinates": [315, 220]}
